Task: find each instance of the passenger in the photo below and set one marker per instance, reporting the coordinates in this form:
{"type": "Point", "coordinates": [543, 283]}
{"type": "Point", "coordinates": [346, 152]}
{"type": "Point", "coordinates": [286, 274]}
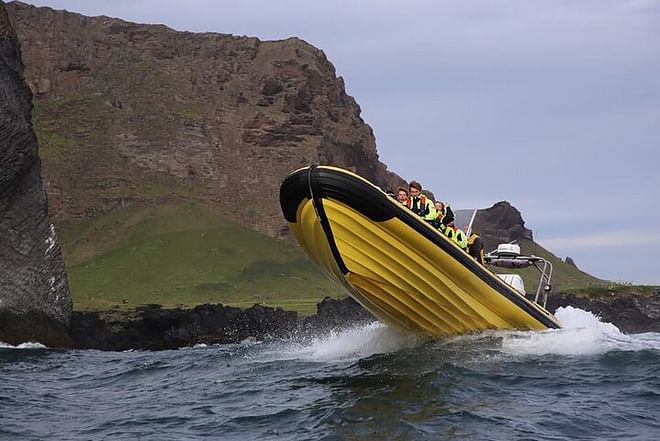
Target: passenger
{"type": "Point", "coordinates": [445, 215]}
{"type": "Point", "coordinates": [440, 210]}
{"type": "Point", "coordinates": [476, 247]}
{"type": "Point", "coordinates": [402, 195]}
{"type": "Point", "coordinates": [456, 234]}
{"type": "Point", "coordinates": [419, 203]}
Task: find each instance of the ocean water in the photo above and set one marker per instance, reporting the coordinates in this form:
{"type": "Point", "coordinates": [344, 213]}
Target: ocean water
{"type": "Point", "coordinates": [587, 381]}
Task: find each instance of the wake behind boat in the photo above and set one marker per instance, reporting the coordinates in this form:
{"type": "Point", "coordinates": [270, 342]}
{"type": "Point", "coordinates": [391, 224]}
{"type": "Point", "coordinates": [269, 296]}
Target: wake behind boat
{"type": "Point", "coordinates": [397, 266]}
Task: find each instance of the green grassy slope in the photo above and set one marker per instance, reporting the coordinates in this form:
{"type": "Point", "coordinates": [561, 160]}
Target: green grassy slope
{"type": "Point", "coordinates": [184, 254]}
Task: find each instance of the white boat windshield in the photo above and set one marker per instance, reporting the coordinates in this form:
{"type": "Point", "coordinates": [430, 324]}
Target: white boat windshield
{"type": "Point", "coordinates": [465, 218]}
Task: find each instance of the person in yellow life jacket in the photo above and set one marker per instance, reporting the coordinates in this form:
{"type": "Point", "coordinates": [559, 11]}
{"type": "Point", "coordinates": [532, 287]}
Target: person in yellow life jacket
{"type": "Point", "coordinates": [476, 247]}
{"type": "Point", "coordinates": [456, 234]}
{"type": "Point", "coordinates": [445, 215]}
{"type": "Point", "coordinates": [419, 203]}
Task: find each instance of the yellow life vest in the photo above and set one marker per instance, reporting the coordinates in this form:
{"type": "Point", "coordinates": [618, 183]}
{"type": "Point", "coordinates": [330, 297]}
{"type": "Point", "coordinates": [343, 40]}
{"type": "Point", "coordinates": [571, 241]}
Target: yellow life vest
{"type": "Point", "coordinates": [457, 235]}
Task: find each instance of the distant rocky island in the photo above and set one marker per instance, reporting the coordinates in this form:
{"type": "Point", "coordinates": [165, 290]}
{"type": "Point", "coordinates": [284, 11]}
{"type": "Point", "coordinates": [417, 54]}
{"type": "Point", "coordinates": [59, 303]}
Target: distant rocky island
{"type": "Point", "coordinates": [131, 115]}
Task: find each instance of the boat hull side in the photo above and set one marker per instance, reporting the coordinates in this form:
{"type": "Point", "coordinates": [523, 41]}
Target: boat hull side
{"type": "Point", "coordinates": [398, 267]}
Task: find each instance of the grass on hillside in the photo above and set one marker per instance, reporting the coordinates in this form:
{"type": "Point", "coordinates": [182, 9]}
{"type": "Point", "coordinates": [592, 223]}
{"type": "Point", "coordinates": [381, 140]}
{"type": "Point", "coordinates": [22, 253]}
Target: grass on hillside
{"type": "Point", "coordinates": [612, 288]}
{"type": "Point", "coordinates": [185, 255]}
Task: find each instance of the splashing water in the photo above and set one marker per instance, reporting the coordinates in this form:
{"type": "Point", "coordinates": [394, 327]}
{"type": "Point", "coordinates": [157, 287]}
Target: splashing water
{"type": "Point", "coordinates": [29, 345]}
{"type": "Point", "coordinates": [582, 333]}
{"type": "Point", "coordinates": [360, 342]}
{"type": "Point", "coordinates": [345, 345]}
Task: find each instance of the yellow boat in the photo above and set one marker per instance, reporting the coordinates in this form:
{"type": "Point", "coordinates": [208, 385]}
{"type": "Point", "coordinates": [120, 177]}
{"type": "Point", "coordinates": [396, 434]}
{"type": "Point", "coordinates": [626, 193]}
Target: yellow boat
{"type": "Point", "coordinates": [397, 266]}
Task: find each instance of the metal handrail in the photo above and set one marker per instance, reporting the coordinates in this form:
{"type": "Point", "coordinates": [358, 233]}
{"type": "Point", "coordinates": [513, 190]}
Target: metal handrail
{"type": "Point", "coordinates": [520, 261]}
{"type": "Point", "coordinates": [544, 280]}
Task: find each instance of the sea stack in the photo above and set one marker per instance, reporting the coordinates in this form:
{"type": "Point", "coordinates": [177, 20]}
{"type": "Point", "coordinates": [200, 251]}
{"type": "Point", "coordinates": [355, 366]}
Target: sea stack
{"type": "Point", "coordinates": [35, 304]}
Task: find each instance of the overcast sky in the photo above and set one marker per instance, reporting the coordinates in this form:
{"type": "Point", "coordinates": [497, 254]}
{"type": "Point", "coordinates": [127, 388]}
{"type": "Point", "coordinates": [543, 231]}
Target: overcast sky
{"type": "Point", "coordinates": [553, 106]}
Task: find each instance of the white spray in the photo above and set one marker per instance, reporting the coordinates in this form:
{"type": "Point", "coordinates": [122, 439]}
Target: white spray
{"type": "Point", "coordinates": [582, 333]}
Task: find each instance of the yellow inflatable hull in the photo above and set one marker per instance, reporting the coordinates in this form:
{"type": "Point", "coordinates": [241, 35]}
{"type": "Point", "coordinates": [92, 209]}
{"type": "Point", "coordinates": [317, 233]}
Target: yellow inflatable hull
{"type": "Point", "coordinates": [393, 263]}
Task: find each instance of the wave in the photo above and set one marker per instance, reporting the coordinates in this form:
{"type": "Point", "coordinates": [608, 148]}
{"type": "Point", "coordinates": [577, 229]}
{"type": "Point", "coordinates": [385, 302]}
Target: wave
{"type": "Point", "coordinates": [360, 342]}
{"type": "Point", "coordinates": [582, 333]}
{"type": "Point", "coordinates": [28, 345]}
{"type": "Point", "coordinates": [344, 345]}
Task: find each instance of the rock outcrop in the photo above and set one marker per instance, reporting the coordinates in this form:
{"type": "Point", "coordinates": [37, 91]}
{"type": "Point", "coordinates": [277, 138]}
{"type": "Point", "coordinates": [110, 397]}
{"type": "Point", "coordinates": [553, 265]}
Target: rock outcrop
{"type": "Point", "coordinates": [204, 116]}
{"type": "Point", "coordinates": [500, 223]}
{"type": "Point", "coordinates": [34, 297]}
{"type": "Point", "coordinates": [154, 328]}
{"type": "Point", "coordinates": [337, 314]}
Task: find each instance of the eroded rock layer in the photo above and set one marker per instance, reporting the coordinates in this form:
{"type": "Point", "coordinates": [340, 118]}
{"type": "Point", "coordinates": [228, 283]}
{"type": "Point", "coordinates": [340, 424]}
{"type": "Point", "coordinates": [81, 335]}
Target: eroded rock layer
{"type": "Point", "coordinates": [133, 113]}
{"type": "Point", "coordinates": [34, 297]}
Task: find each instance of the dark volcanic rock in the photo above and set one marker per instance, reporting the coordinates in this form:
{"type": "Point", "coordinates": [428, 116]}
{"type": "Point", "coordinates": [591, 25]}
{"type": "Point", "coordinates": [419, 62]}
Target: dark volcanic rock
{"type": "Point", "coordinates": [337, 314]}
{"type": "Point", "coordinates": [570, 261]}
{"type": "Point", "coordinates": [500, 223]}
{"type": "Point", "coordinates": [154, 328]}
{"type": "Point", "coordinates": [34, 296]}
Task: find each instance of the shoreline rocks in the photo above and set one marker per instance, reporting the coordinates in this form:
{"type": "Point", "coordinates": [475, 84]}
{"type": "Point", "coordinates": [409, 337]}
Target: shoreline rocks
{"type": "Point", "coordinates": [152, 327]}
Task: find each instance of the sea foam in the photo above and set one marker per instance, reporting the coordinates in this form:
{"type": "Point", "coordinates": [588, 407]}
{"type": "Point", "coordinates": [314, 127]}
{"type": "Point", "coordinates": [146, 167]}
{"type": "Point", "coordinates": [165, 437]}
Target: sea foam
{"type": "Point", "coordinates": [346, 345]}
{"type": "Point", "coordinates": [28, 345]}
{"type": "Point", "coordinates": [359, 342]}
{"type": "Point", "coordinates": [582, 333]}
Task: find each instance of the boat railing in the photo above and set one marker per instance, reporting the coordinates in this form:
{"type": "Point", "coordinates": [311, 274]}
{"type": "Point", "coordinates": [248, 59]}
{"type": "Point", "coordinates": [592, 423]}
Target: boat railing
{"type": "Point", "coordinates": [517, 261]}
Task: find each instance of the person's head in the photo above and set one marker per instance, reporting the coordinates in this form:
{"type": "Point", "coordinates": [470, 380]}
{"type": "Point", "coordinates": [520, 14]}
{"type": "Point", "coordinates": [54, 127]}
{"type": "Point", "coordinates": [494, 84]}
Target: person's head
{"type": "Point", "coordinates": [415, 188]}
{"type": "Point", "coordinates": [439, 206]}
{"type": "Point", "coordinates": [401, 194]}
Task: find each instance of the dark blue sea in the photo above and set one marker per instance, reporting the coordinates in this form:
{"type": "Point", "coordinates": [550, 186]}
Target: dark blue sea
{"type": "Point", "coordinates": [585, 382]}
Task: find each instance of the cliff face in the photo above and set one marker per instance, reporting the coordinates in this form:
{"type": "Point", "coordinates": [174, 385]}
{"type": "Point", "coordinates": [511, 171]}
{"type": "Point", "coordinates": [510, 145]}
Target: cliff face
{"type": "Point", "coordinates": [34, 295]}
{"type": "Point", "coordinates": [501, 223]}
{"type": "Point", "coordinates": [131, 113]}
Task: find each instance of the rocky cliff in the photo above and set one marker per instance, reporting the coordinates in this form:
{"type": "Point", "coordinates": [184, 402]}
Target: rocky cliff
{"type": "Point", "coordinates": [34, 296]}
{"type": "Point", "coordinates": [501, 223]}
{"type": "Point", "coordinates": [131, 113]}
